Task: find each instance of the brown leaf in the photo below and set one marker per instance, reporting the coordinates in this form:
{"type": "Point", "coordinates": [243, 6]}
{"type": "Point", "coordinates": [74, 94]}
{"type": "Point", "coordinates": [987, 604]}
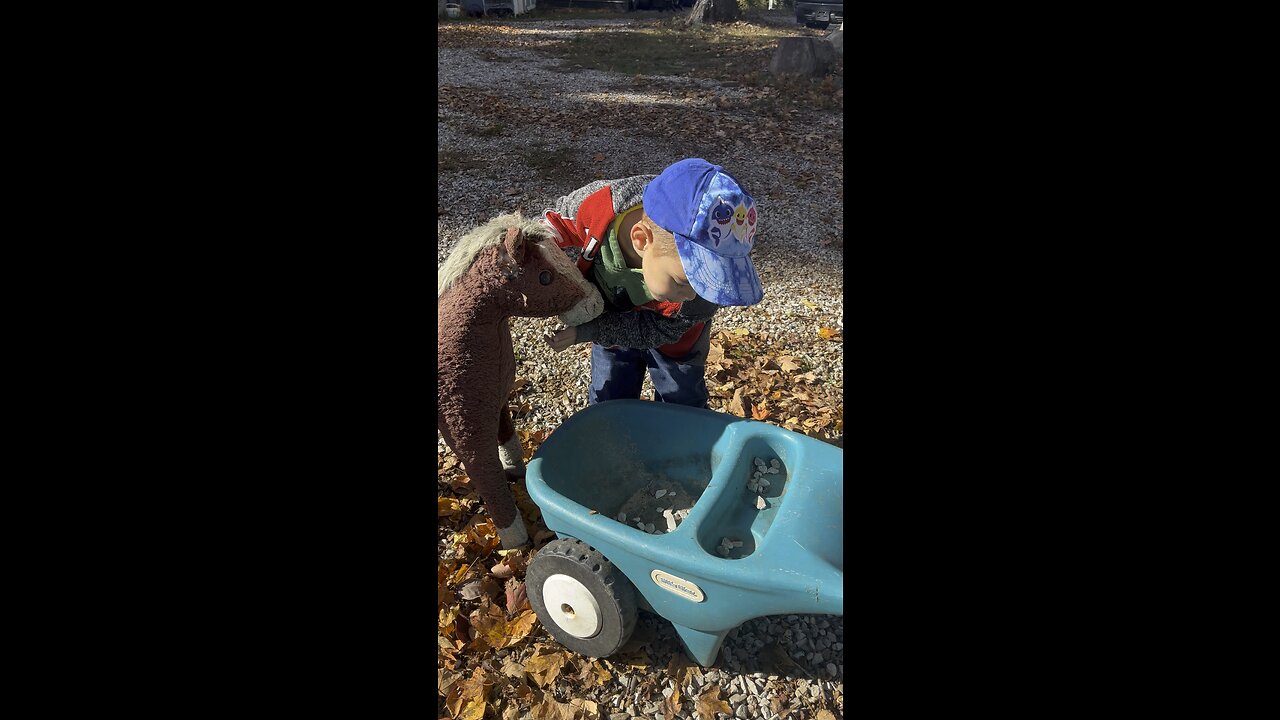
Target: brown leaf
{"type": "Point", "coordinates": [512, 669]}
{"type": "Point", "coordinates": [735, 405]}
{"type": "Point", "coordinates": [517, 598]}
{"type": "Point", "coordinates": [511, 712]}
{"type": "Point", "coordinates": [598, 157]}
{"type": "Point", "coordinates": [551, 709]}
{"type": "Point", "coordinates": [709, 703]}
{"type": "Point", "coordinates": [590, 710]}
{"type": "Point", "coordinates": [715, 354]}
{"type": "Point", "coordinates": [671, 705]}
{"type": "Point", "coordinates": [759, 413]}
{"type": "Point", "coordinates": [544, 668]}
{"type": "Point", "coordinates": [467, 699]}
{"type": "Point", "coordinates": [824, 715]}
{"type": "Point", "coordinates": [827, 333]}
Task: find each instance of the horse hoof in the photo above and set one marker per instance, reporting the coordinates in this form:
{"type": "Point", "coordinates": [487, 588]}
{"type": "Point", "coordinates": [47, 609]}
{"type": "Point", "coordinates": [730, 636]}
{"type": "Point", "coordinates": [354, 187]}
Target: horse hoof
{"type": "Point", "coordinates": [515, 536]}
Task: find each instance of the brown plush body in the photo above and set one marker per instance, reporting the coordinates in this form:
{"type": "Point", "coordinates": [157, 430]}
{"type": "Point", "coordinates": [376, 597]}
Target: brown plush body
{"type": "Point", "coordinates": [509, 267]}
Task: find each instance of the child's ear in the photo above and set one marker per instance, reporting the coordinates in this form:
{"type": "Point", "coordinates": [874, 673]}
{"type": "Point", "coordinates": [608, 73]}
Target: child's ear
{"type": "Point", "coordinates": [641, 237]}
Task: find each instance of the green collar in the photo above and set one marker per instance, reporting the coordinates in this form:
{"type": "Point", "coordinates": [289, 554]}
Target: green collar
{"type": "Point", "coordinates": [611, 271]}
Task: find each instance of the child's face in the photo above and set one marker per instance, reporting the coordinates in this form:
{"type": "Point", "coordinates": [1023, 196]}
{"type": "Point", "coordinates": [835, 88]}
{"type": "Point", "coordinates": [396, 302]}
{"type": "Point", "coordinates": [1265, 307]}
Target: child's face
{"type": "Point", "coordinates": [665, 278]}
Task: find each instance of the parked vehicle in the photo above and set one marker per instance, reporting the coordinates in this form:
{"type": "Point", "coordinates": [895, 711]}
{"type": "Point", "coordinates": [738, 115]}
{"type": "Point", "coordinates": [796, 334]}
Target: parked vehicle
{"type": "Point", "coordinates": [819, 13]}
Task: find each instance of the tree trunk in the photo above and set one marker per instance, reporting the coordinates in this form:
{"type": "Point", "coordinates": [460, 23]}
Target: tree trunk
{"type": "Point", "coordinates": [713, 11]}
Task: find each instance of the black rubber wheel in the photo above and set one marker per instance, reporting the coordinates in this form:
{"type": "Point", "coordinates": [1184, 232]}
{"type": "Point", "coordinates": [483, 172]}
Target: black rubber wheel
{"type": "Point", "coordinates": [569, 574]}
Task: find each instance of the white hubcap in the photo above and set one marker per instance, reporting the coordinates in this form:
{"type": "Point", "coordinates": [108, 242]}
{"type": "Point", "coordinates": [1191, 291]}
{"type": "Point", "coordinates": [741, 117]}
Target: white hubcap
{"type": "Point", "coordinates": [572, 606]}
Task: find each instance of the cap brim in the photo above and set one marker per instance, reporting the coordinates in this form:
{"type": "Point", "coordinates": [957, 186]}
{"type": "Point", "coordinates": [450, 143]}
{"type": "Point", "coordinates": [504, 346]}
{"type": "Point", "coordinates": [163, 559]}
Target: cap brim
{"type": "Point", "coordinates": [719, 279]}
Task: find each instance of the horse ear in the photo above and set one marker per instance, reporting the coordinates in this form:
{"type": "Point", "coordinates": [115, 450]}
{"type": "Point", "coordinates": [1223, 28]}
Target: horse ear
{"type": "Point", "coordinates": [514, 244]}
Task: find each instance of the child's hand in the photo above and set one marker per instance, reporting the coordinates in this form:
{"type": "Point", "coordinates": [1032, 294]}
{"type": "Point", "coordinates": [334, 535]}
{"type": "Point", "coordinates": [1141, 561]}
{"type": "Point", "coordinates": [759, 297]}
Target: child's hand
{"type": "Point", "coordinates": [561, 340]}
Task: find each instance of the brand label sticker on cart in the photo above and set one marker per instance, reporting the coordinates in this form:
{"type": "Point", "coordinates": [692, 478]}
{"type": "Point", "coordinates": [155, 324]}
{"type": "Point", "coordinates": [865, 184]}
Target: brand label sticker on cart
{"type": "Point", "coordinates": [677, 585]}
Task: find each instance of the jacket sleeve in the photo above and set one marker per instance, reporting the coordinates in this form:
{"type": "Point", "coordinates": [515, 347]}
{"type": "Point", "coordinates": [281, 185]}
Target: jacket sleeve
{"type": "Point", "coordinates": [643, 329]}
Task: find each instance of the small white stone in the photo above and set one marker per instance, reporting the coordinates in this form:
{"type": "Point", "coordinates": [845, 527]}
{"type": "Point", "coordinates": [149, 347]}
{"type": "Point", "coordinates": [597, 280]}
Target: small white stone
{"type": "Point", "coordinates": [737, 543]}
{"type": "Point", "coordinates": [622, 517]}
{"type": "Point", "coordinates": [661, 493]}
{"type": "Point", "coordinates": [760, 504]}
{"type": "Point", "coordinates": [759, 462]}
{"type": "Point", "coordinates": [774, 463]}
{"type": "Point", "coordinates": [773, 471]}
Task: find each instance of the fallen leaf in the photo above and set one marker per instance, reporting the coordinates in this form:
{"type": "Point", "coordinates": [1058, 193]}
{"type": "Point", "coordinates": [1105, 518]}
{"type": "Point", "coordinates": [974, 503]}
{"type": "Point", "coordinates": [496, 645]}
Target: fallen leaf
{"type": "Point", "coordinates": [809, 305]}
{"type": "Point", "coordinates": [709, 703]}
{"type": "Point", "coordinates": [470, 591]}
{"type": "Point", "coordinates": [827, 333]}
{"type": "Point", "coordinates": [511, 712]}
{"type": "Point", "coordinates": [544, 668]}
{"type": "Point", "coordinates": [517, 597]}
{"type": "Point", "coordinates": [598, 157]}
{"type": "Point", "coordinates": [551, 709]}
{"type": "Point", "coordinates": [447, 506]}
{"type": "Point", "coordinates": [590, 709]}
{"type": "Point", "coordinates": [519, 627]}
{"type": "Point", "coordinates": [671, 705]}
{"type": "Point", "coordinates": [824, 715]}
{"type": "Point", "coordinates": [759, 413]}
{"type": "Point", "coordinates": [512, 669]}
{"type": "Point", "coordinates": [736, 404]}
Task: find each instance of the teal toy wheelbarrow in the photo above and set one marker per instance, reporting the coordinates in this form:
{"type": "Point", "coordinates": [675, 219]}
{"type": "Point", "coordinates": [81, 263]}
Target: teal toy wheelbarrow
{"type": "Point", "coordinates": [745, 549]}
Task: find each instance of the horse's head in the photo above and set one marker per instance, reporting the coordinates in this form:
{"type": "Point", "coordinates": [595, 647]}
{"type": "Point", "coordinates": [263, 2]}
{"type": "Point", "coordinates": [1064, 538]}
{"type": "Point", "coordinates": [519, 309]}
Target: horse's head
{"type": "Point", "coordinates": [520, 268]}
{"type": "Point", "coordinates": [547, 281]}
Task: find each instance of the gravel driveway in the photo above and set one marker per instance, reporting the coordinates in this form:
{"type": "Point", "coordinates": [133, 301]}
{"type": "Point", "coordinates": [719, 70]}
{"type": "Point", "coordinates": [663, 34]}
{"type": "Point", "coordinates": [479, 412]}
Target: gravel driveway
{"type": "Point", "coordinates": [515, 131]}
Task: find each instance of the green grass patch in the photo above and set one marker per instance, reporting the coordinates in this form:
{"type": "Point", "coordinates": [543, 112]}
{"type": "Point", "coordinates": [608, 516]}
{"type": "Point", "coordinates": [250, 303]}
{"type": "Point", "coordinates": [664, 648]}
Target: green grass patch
{"type": "Point", "coordinates": [669, 49]}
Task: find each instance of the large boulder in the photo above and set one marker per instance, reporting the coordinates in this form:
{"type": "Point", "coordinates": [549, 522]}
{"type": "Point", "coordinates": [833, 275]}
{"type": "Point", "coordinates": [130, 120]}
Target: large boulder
{"type": "Point", "coordinates": [837, 40]}
{"type": "Point", "coordinates": [802, 57]}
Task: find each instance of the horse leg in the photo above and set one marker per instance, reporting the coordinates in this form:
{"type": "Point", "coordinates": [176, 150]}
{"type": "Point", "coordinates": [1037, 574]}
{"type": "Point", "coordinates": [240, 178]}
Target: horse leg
{"type": "Point", "coordinates": [509, 448]}
{"type": "Point", "coordinates": [485, 470]}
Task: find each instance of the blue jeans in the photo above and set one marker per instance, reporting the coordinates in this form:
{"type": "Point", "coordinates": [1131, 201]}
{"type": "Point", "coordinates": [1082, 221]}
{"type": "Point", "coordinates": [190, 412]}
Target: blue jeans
{"type": "Point", "coordinates": [618, 374]}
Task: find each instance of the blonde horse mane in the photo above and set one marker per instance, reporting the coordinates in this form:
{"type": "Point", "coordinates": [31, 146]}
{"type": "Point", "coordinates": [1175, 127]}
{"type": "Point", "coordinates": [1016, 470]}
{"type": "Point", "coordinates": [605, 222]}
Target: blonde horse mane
{"type": "Point", "coordinates": [464, 253]}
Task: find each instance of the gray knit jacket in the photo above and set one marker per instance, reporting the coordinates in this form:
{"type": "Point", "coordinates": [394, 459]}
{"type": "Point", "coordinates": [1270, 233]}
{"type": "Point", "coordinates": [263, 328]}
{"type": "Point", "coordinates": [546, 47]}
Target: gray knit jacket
{"type": "Point", "coordinates": [619, 324]}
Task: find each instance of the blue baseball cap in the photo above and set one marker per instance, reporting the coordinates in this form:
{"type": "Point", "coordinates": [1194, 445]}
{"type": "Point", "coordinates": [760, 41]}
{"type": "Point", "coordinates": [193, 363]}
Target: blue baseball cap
{"type": "Point", "coordinates": [714, 222]}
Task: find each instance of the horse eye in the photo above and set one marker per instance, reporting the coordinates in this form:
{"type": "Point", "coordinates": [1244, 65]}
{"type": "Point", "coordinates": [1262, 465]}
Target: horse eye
{"type": "Point", "coordinates": [545, 277]}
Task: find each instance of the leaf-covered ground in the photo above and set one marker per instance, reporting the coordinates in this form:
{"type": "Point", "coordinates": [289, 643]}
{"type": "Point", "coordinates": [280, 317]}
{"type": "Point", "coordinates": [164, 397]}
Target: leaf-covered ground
{"type": "Point", "coordinates": [605, 97]}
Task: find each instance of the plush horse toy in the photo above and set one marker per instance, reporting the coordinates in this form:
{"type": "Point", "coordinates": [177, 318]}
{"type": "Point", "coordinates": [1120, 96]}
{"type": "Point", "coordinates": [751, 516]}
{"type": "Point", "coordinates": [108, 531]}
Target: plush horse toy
{"type": "Point", "coordinates": [507, 267]}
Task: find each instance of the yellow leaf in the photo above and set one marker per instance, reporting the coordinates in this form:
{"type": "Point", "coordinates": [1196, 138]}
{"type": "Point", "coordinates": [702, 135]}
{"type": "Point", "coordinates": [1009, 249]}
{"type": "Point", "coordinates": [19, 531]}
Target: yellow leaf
{"type": "Point", "coordinates": [519, 627]}
{"type": "Point", "coordinates": [462, 571]}
{"type": "Point", "coordinates": [544, 668]}
{"type": "Point", "coordinates": [740, 332]}
{"type": "Point", "coordinates": [809, 305]}
{"type": "Point", "coordinates": [824, 715]}
{"type": "Point", "coordinates": [446, 507]}
{"type": "Point", "coordinates": [474, 710]}
{"type": "Point", "coordinates": [827, 333]}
